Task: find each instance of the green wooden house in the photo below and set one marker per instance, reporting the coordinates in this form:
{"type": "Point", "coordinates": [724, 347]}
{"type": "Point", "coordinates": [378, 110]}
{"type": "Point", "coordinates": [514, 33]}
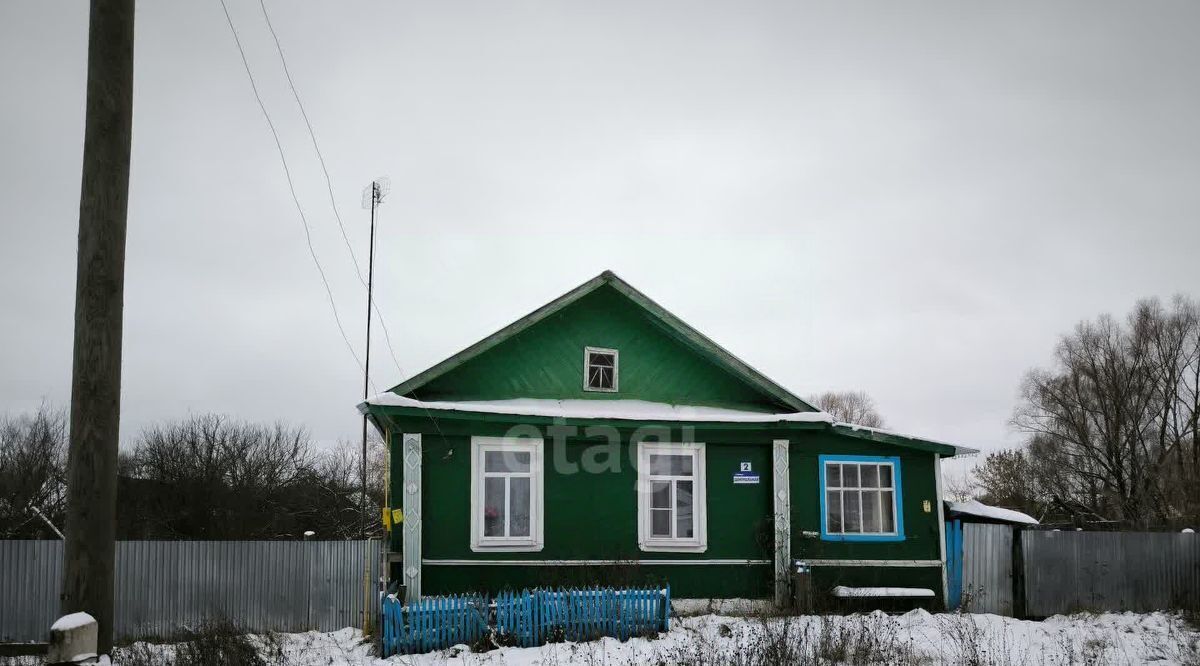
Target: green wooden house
{"type": "Point", "coordinates": [600, 439]}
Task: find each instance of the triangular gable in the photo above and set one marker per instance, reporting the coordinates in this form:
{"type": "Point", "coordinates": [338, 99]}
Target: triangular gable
{"type": "Point", "coordinates": [755, 383]}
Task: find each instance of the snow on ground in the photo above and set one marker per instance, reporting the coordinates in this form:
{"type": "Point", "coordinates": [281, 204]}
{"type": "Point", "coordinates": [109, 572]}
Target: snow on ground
{"type": "Point", "coordinates": [913, 638]}
{"type": "Point", "coordinates": [916, 637]}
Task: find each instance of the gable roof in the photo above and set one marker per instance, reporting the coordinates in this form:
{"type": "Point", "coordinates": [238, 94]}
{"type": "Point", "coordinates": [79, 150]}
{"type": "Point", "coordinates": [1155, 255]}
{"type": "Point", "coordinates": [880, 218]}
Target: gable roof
{"type": "Point", "coordinates": [719, 354]}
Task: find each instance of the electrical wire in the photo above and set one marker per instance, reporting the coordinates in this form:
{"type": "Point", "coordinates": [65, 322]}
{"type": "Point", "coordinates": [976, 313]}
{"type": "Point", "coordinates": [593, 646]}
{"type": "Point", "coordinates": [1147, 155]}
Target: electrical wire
{"type": "Point", "coordinates": [332, 199]}
{"type": "Point", "coordinates": [329, 184]}
{"type": "Point", "coordinates": [291, 188]}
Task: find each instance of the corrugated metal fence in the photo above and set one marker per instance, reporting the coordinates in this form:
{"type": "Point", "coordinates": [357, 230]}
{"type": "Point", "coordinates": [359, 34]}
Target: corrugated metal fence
{"type": "Point", "coordinates": [162, 586]}
{"type": "Point", "coordinates": [987, 585]}
{"type": "Point", "coordinates": [1125, 571]}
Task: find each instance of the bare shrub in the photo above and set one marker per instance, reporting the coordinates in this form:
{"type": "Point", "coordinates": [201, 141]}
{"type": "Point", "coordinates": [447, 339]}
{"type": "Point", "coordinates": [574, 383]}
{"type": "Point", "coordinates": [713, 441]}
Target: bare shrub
{"type": "Point", "coordinates": [859, 639]}
{"type": "Point", "coordinates": [970, 645]}
{"type": "Point", "coordinates": [215, 643]}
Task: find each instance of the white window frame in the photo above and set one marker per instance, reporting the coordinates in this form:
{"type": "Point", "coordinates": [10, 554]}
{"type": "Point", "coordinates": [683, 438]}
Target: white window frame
{"type": "Point", "coordinates": [698, 543]}
{"type": "Point", "coordinates": [535, 541]}
{"type": "Point", "coordinates": [587, 367]}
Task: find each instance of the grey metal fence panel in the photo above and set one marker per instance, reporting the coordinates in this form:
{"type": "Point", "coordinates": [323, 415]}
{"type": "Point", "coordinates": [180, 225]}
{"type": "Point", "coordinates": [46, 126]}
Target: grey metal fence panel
{"type": "Point", "coordinates": [1112, 571]}
{"type": "Point", "coordinates": [30, 579]}
{"type": "Point", "coordinates": [987, 568]}
{"type": "Point", "coordinates": [164, 586]}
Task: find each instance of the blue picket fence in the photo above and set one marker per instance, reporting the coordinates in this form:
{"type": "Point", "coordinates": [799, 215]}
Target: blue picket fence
{"type": "Point", "coordinates": [526, 618]}
{"type": "Point", "coordinates": [432, 623]}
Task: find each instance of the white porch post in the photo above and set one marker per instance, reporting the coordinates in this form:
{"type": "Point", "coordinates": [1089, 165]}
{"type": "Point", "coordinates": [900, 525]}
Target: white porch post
{"type": "Point", "coordinates": [412, 515]}
{"type": "Point", "coordinates": [941, 518]}
{"type": "Point", "coordinates": [783, 522]}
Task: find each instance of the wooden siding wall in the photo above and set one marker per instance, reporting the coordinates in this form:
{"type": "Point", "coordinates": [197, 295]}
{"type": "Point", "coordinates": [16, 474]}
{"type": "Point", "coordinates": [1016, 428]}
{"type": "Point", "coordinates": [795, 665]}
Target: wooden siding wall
{"type": "Point", "coordinates": [922, 536]}
{"type": "Point", "coordinates": [546, 361]}
{"type": "Point", "coordinates": [594, 517]}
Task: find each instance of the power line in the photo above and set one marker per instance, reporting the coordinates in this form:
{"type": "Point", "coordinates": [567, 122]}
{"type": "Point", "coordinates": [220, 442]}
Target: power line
{"type": "Point", "coordinates": [328, 182]}
{"type": "Point", "coordinates": [291, 186]}
{"type": "Point", "coordinates": [332, 200]}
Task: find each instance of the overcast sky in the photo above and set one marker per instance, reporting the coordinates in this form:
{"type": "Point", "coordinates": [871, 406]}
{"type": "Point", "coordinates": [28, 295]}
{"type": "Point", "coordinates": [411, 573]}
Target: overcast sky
{"type": "Point", "coordinates": [910, 199]}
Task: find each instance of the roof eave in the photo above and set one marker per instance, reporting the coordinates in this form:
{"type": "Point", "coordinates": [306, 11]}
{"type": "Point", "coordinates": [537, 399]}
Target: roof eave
{"type": "Point", "coordinates": [906, 441]}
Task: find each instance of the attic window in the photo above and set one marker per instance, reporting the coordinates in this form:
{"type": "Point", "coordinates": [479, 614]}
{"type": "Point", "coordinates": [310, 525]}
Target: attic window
{"type": "Point", "coordinates": [599, 369]}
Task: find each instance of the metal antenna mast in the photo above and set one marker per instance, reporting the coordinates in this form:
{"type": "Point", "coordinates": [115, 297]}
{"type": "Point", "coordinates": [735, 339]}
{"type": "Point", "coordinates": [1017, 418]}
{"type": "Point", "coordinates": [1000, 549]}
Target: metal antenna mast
{"type": "Point", "coordinates": [372, 196]}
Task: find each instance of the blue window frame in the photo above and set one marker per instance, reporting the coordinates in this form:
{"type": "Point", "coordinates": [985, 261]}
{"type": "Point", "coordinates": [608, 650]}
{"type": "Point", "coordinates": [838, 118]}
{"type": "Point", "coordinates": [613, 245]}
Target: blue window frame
{"type": "Point", "coordinates": [861, 498]}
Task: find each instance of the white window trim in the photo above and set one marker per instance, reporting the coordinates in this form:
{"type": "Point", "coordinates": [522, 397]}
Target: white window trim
{"type": "Point", "coordinates": [897, 521]}
{"type": "Point", "coordinates": [536, 539]}
{"type": "Point", "coordinates": [699, 542]}
{"type": "Point", "coordinates": [587, 367]}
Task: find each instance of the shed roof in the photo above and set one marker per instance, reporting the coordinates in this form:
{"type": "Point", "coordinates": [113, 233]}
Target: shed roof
{"type": "Point", "coordinates": [977, 509]}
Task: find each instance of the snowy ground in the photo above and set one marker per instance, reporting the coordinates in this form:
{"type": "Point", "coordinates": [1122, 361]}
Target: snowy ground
{"type": "Point", "coordinates": [914, 638]}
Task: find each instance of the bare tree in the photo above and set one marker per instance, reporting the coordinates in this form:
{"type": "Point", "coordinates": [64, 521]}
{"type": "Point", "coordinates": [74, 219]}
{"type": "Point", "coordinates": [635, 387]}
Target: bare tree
{"type": "Point", "coordinates": [338, 472]}
{"type": "Point", "coordinates": [1006, 479]}
{"type": "Point", "coordinates": [32, 473]}
{"type": "Point", "coordinates": [849, 407]}
{"type": "Point", "coordinates": [960, 486]}
{"type": "Point", "coordinates": [1113, 425]}
{"type": "Point", "coordinates": [205, 477]}
{"type": "Point", "coordinates": [208, 477]}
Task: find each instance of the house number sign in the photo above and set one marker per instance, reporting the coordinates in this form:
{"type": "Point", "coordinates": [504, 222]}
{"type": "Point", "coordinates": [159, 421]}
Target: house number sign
{"type": "Point", "coordinates": [745, 475]}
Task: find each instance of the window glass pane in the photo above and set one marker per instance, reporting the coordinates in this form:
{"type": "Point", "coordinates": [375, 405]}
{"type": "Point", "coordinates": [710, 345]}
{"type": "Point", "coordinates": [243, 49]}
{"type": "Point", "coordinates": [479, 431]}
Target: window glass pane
{"type": "Point", "coordinates": [601, 370]}
{"type": "Point", "coordinates": [885, 476]}
{"type": "Point", "coordinates": [853, 512]}
{"type": "Point", "coordinates": [506, 461]}
{"type": "Point", "coordinates": [518, 506]}
{"type": "Point", "coordinates": [671, 465]}
{"type": "Point", "coordinates": [493, 507]}
{"type": "Point", "coordinates": [660, 494]}
{"type": "Point", "coordinates": [599, 377]}
{"type": "Point", "coordinates": [660, 523]}
{"type": "Point", "coordinates": [683, 509]}
{"type": "Point", "coordinates": [833, 510]}
{"type": "Point", "coordinates": [888, 523]}
{"type": "Point", "coordinates": [870, 476]}
{"type": "Point", "coordinates": [850, 476]}
{"type": "Point", "coordinates": [870, 509]}
{"type": "Point", "coordinates": [833, 475]}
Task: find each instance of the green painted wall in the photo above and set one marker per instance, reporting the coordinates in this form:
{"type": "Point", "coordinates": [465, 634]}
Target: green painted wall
{"type": "Point", "coordinates": [825, 578]}
{"type": "Point", "coordinates": [593, 516]}
{"type": "Point", "coordinates": [546, 361]}
{"type": "Point", "coordinates": [919, 484]}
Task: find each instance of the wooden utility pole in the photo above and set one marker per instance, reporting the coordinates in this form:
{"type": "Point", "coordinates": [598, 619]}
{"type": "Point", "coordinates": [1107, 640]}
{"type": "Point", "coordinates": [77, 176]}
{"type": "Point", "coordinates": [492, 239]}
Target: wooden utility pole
{"type": "Point", "coordinates": [376, 198]}
{"type": "Point", "coordinates": [99, 302]}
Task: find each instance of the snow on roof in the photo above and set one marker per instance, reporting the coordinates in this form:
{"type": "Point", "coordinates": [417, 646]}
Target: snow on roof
{"type": "Point", "coordinates": [977, 508]}
{"type": "Point", "coordinates": [958, 450]}
{"type": "Point", "coordinates": [631, 410]}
